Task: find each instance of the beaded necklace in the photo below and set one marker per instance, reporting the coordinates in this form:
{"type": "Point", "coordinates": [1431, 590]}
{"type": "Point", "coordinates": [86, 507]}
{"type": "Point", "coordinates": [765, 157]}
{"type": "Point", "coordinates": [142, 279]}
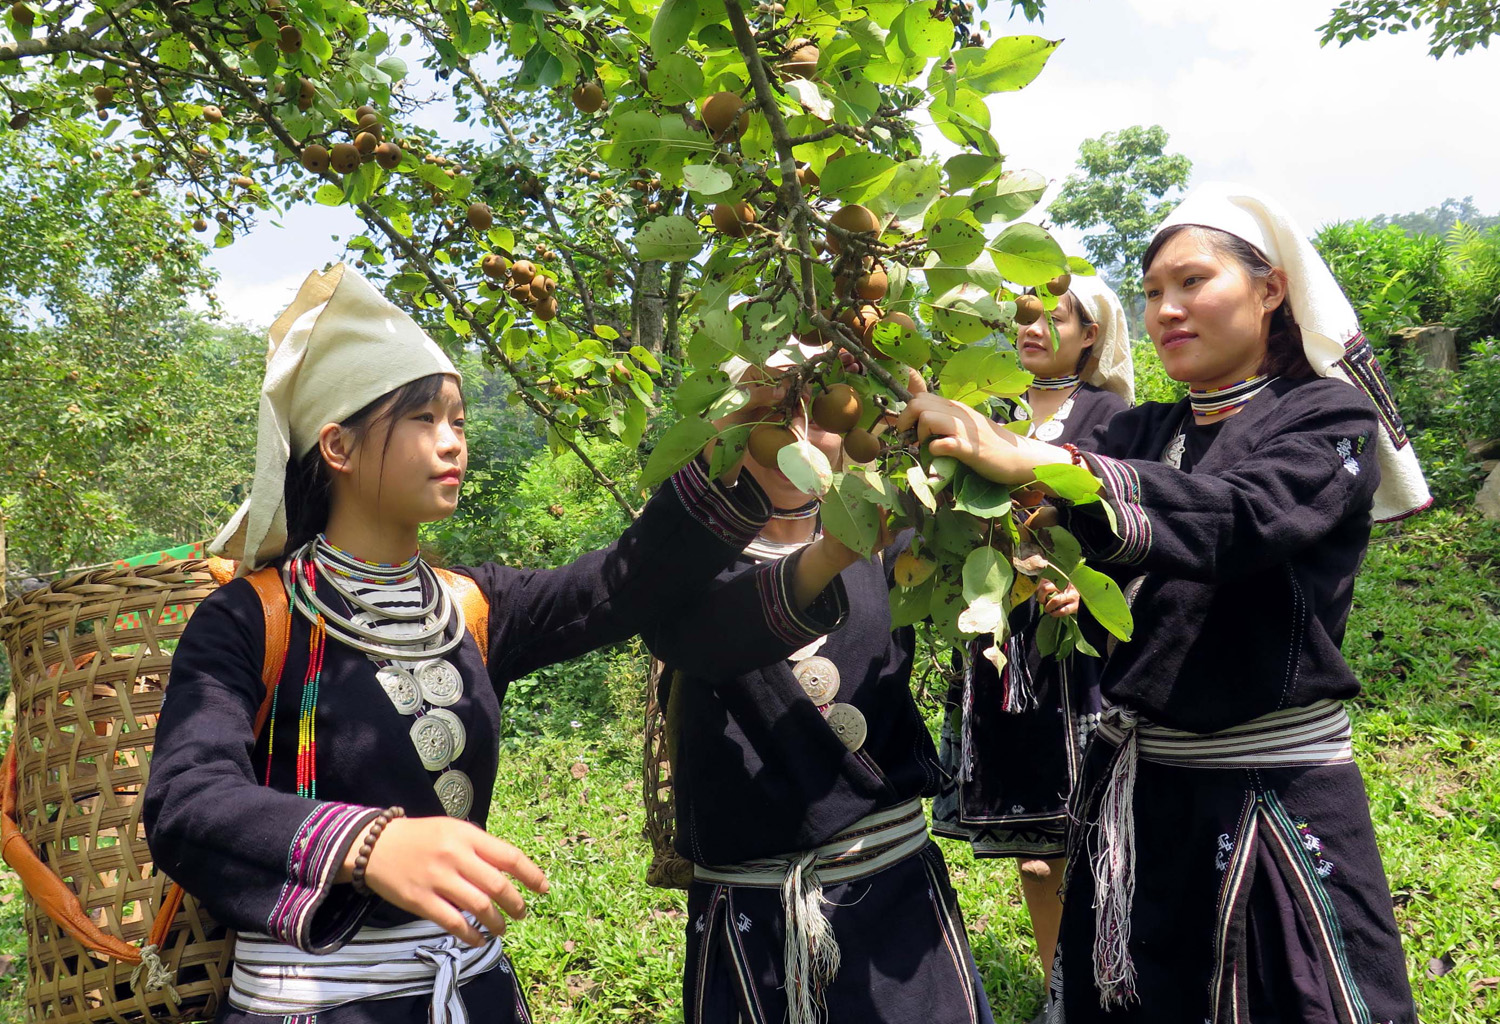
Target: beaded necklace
{"type": "Point", "coordinates": [1208, 402]}
{"type": "Point", "coordinates": [800, 512]}
{"type": "Point", "coordinates": [1055, 383]}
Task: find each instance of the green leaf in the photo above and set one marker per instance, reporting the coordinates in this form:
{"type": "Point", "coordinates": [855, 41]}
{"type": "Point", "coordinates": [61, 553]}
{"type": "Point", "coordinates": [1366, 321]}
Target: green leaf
{"type": "Point", "coordinates": [982, 497]}
{"type": "Point", "coordinates": [175, 52]}
{"type": "Point", "coordinates": [700, 390]}
{"type": "Point", "coordinates": [1069, 482]}
{"type": "Point", "coordinates": [672, 27]}
{"type": "Point", "coordinates": [766, 326]}
{"type": "Point", "coordinates": [919, 34]}
{"type": "Point", "coordinates": [639, 354]}
{"type": "Point", "coordinates": [1104, 601]}
{"type": "Point", "coordinates": [916, 479]}
{"type": "Point", "coordinates": [670, 238]}
{"type": "Point", "coordinates": [676, 449]}
{"type": "Point", "coordinates": [910, 605]}
{"type": "Point", "coordinates": [955, 242]}
{"type": "Point", "coordinates": [330, 194]}
{"type": "Point", "coordinates": [811, 97]}
{"type": "Point", "coordinates": [969, 169]}
{"type": "Point", "coordinates": [987, 573]}
{"type": "Point", "coordinates": [1010, 63]}
{"type": "Point", "coordinates": [977, 372]}
{"type": "Point", "coordinates": [705, 180]}
{"type": "Point", "coordinates": [1066, 551]}
{"type": "Point", "coordinates": [857, 176]}
{"type": "Point", "coordinates": [849, 515]}
{"type": "Point", "coordinates": [730, 448]}
{"type": "Point", "coordinates": [900, 343]}
{"type": "Point", "coordinates": [1012, 196]}
{"type": "Point", "coordinates": [1028, 255]}
{"type": "Point", "coordinates": [806, 467]}
{"type": "Point", "coordinates": [635, 423]}
{"type": "Point", "coordinates": [675, 79]}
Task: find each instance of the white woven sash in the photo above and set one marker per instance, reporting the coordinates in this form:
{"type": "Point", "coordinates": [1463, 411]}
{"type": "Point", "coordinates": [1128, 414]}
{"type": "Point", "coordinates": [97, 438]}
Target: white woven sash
{"type": "Point", "coordinates": [420, 958]}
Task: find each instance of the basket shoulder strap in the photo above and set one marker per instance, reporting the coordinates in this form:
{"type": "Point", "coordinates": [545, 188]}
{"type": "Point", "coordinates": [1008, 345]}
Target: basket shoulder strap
{"type": "Point", "coordinates": [475, 605]}
{"type": "Point", "coordinates": [278, 617]}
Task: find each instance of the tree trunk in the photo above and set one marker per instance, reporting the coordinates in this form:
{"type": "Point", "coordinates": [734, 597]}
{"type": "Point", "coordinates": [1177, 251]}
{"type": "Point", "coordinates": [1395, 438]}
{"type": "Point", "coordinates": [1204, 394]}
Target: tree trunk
{"type": "Point", "coordinates": [647, 309]}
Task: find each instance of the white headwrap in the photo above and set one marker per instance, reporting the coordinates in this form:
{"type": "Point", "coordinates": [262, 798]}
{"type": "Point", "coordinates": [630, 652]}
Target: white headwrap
{"type": "Point", "coordinates": [1110, 365]}
{"type": "Point", "coordinates": [1331, 337]}
{"type": "Point", "coordinates": [338, 347]}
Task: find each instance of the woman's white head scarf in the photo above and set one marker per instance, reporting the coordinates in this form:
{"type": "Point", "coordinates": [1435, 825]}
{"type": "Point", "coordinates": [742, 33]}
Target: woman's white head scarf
{"type": "Point", "coordinates": [1110, 365]}
{"type": "Point", "coordinates": [1331, 337]}
{"type": "Point", "coordinates": [338, 347]}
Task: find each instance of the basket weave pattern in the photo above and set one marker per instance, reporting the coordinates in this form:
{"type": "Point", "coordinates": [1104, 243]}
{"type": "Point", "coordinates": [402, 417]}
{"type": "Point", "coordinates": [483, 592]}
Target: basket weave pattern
{"type": "Point", "coordinates": [668, 868]}
{"type": "Point", "coordinates": [90, 656]}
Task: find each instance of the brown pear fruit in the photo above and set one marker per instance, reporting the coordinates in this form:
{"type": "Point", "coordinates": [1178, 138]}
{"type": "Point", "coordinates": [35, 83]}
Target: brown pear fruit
{"type": "Point", "coordinates": [546, 309]}
{"type": "Point", "coordinates": [549, 285]}
{"type": "Point", "coordinates": [901, 320]}
{"type": "Point", "coordinates": [200, 224]}
{"type": "Point", "coordinates": [213, 115]}
{"type": "Point", "coordinates": [766, 442]}
{"type": "Point", "coordinates": [522, 271]}
{"type": "Point", "coordinates": [800, 60]}
{"type": "Point", "coordinates": [104, 96]}
{"type": "Point", "coordinates": [861, 320]}
{"type": "Point", "coordinates": [21, 14]}
{"type": "Point", "coordinates": [855, 219]}
{"type": "Point", "coordinates": [344, 158]}
{"type": "Point", "coordinates": [479, 216]}
{"type": "Point", "coordinates": [388, 155]}
{"type": "Point", "coordinates": [838, 409]}
{"type": "Point", "coordinates": [522, 294]}
{"type": "Point", "coordinates": [733, 219]}
{"type": "Point", "coordinates": [588, 97]}
{"type": "Point", "coordinates": [315, 158]}
{"type": "Point", "coordinates": [1060, 284]}
{"type": "Point", "coordinates": [720, 114]}
{"type": "Point", "coordinates": [862, 446]}
{"type": "Point", "coordinates": [306, 94]}
{"type": "Point", "coordinates": [807, 177]}
{"type": "Point", "coordinates": [365, 142]}
{"type": "Point", "coordinates": [289, 39]}
{"type": "Point", "coordinates": [1028, 309]}
{"type": "Point", "coordinates": [366, 112]}
{"type": "Point", "coordinates": [872, 286]}
{"type": "Point", "coordinates": [20, 119]}
{"type": "Point", "coordinates": [494, 265]}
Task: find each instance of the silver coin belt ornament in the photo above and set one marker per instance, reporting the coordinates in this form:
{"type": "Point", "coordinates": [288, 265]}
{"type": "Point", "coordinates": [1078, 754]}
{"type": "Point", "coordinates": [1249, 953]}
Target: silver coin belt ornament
{"type": "Point", "coordinates": [408, 651]}
{"type": "Point", "coordinates": [819, 679]}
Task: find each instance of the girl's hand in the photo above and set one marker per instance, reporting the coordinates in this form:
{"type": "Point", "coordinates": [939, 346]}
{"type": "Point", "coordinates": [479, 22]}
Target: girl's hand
{"type": "Point", "coordinates": [972, 438]}
{"type": "Point", "coordinates": [1057, 603]}
{"type": "Point", "coordinates": [439, 868]}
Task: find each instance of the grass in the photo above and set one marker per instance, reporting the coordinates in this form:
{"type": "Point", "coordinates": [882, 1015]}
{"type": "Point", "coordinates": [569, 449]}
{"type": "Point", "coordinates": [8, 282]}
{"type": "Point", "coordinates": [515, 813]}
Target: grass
{"type": "Point", "coordinates": [1424, 637]}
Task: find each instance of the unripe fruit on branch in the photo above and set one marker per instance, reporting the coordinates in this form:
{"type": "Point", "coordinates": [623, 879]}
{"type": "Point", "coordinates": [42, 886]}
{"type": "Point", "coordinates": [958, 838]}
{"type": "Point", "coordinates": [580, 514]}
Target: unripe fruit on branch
{"type": "Point", "coordinates": [766, 442]}
{"type": "Point", "coordinates": [801, 60]}
{"type": "Point", "coordinates": [494, 265]}
{"type": "Point", "coordinates": [872, 286]}
{"type": "Point", "coordinates": [1060, 284]}
{"type": "Point", "coordinates": [21, 14]}
{"type": "Point", "coordinates": [588, 97]}
{"type": "Point", "coordinates": [734, 219]}
{"type": "Point", "coordinates": [838, 409]}
{"type": "Point", "coordinates": [1028, 309]}
{"type": "Point", "coordinates": [104, 96]}
{"type": "Point", "coordinates": [854, 219]}
{"type": "Point", "coordinates": [315, 158]}
{"type": "Point", "coordinates": [522, 294]}
{"type": "Point", "coordinates": [523, 271]}
{"type": "Point", "coordinates": [861, 446]}
{"type": "Point", "coordinates": [200, 224]}
{"type": "Point", "coordinates": [366, 112]}
{"type": "Point", "coordinates": [366, 142]}
{"type": "Point", "coordinates": [807, 177]}
{"type": "Point", "coordinates": [306, 94]}
{"type": "Point", "coordinates": [725, 116]}
{"type": "Point", "coordinates": [479, 216]}
{"type": "Point", "coordinates": [213, 115]}
{"type": "Point", "coordinates": [388, 155]}
{"type": "Point", "coordinates": [545, 309]}
{"type": "Point", "coordinates": [289, 39]}
{"type": "Point", "coordinates": [344, 158]}
{"type": "Point", "coordinates": [862, 321]}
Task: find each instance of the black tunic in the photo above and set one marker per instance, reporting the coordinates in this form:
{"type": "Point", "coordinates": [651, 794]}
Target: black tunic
{"type": "Point", "coordinates": [757, 772]}
{"type": "Point", "coordinates": [260, 858]}
{"type": "Point", "coordinates": [1015, 801]}
{"type": "Point", "coordinates": [1259, 891]}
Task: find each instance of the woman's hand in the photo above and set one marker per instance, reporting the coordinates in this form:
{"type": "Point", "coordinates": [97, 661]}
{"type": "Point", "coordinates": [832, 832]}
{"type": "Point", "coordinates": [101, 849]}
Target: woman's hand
{"type": "Point", "coordinates": [1057, 603]}
{"type": "Point", "coordinates": [972, 438]}
{"type": "Point", "coordinates": [440, 868]}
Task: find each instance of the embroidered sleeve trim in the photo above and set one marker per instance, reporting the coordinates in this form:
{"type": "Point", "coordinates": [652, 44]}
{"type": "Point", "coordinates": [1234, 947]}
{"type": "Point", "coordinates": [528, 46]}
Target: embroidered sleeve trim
{"type": "Point", "coordinates": [773, 584]}
{"type": "Point", "coordinates": [1122, 489]}
{"type": "Point", "coordinates": [318, 850]}
{"type": "Point", "coordinates": [733, 514]}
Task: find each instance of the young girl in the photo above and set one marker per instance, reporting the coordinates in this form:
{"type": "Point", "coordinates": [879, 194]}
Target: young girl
{"type": "Point", "coordinates": [799, 763]}
{"type": "Point", "coordinates": [345, 842]}
{"type": "Point", "coordinates": [1225, 869]}
{"type": "Point", "coordinates": [1013, 744]}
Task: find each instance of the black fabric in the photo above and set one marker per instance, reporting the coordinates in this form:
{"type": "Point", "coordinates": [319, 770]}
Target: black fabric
{"type": "Point", "coordinates": [1250, 561]}
{"type": "Point", "coordinates": [756, 771]}
{"type": "Point", "coordinates": [214, 828]}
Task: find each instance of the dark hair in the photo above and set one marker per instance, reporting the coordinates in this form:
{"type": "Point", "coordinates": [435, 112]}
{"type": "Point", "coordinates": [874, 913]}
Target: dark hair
{"type": "Point", "coordinates": [1285, 356]}
{"type": "Point", "coordinates": [309, 484]}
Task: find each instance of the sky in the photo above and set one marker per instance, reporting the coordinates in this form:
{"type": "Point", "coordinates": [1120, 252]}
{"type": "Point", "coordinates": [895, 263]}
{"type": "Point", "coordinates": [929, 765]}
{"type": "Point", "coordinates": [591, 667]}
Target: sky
{"type": "Point", "coordinates": [1244, 90]}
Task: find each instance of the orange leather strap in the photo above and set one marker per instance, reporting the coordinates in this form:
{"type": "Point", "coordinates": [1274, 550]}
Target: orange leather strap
{"type": "Point", "coordinates": [476, 608]}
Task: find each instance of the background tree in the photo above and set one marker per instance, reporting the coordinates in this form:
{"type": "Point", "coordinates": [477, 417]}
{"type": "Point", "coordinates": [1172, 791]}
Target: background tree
{"type": "Point", "coordinates": [1127, 185]}
{"type": "Point", "coordinates": [1457, 25]}
{"type": "Point", "coordinates": [1440, 219]}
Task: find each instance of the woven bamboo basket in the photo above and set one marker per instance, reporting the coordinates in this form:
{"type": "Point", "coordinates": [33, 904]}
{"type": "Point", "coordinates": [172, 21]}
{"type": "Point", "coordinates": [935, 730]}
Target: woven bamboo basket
{"type": "Point", "coordinates": [668, 869]}
{"type": "Point", "coordinates": [89, 658]}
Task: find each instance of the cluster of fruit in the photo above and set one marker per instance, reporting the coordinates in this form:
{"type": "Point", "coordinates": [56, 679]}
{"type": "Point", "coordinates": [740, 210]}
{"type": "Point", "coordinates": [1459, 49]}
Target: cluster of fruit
{"type": "Point", "coordinates": [364, 145]}
{"type": "Point", "coordinates": [1029, 308]}
{"type": "Point", "coordinates": [530, 286]}
{"type": "Point", "coordinates": [838, 410]}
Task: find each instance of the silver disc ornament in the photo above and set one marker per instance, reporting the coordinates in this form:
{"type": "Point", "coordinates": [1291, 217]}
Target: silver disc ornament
{"type": "Point", "coordinates": [440, 682]}
{"type": "Point", "coordinates": [1049, 431]}
{"type": "Point", "coordinates": [818, 677]}
{"type": "Point", "coordinates": [455, 728]}
{"type": "Point", "coordinates": [455, 792]}
{"type": "Point", "coordinates": [401, 688]}
{"type": "Point", "coordinates": [848, 724]}
{"type": "Point", "coordinates": [433, 740]}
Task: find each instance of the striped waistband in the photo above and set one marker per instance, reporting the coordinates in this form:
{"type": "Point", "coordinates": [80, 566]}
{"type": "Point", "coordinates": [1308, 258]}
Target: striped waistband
{"type": "Point", "coordinates": [872, 844]}
{"type": "Point", "coordinates": [276, 979]}
{"type": "Point", "coordinates": [1317, 734]}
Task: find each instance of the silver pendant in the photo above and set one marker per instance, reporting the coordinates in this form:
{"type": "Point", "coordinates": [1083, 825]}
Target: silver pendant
{"type": "Point", "coordinates": [456, 793]}
{"type": "Point", "coordinates": [433, 740]}
{"type": "Point", "coordinates": [400, 687]}
{"type": "Point", "coordinates": [819, 679]}
{"type": "Point", "coordinates": [455, 728]}
{"type": "Point", "coordinates": [1173, 454]}
{"type": "Point", "coordinates": [440, 682]}
{"type": "Point", "coordinates": [848, 724]}
{"type": "Point", "coordinates": [1049, 431]}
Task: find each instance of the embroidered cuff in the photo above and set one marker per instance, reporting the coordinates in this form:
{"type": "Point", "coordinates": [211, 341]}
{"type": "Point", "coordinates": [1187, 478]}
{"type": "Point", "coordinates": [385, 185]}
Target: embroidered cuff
{"type": "Point", "coordinates": [773, 583]}
{"type": "Point", "coordinates": [1130, 539]}
{"type": "Point", "coordinates": [308, 914]}
{"type": "Point", "coordinates": [734, 514]}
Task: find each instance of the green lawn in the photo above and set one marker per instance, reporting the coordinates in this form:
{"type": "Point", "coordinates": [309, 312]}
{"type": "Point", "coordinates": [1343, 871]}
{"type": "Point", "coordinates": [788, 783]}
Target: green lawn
{"type": "Point", "coordinates": [1425, 638]}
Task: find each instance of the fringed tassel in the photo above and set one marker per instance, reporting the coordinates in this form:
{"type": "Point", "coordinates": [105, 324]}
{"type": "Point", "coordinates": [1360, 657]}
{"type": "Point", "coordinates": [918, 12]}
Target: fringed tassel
{"type": "Point", "coordinates": [965, 713]}
{"type": "Point", "coordinates": [157, 975]}
{"type": "Point", "coordinates": [1113, 865]}
{"type": "Point", "coordinates": [1016, 679]}
{"type": "Point", "coordinates": [811, 953]}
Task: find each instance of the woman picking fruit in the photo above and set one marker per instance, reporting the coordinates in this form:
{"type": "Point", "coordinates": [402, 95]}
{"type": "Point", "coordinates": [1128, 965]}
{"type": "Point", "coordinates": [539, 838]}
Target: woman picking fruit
{"type": "Point", "coordinates": [1225, 868]}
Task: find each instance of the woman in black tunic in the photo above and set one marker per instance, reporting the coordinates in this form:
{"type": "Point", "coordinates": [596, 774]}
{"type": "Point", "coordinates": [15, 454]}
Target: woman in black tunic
{"type": "Point", "coordinates": [385, 700]}
{"type": "Point", "coordinates": [1013, 741]}
{"type": "Point", "coordinates": [1225, 867]}
{"type": "Point", "coordinates": [799, 763]}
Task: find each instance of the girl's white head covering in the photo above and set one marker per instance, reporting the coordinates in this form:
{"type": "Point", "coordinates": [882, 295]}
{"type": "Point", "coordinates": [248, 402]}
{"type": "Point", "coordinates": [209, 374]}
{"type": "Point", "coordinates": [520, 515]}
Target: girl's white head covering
{"type": "Point", "coordinates": [1110, 365]}
{"type": "Point", "coordinates": [338, 347]}
{"type": "Point", "coordinates": [1331, 337]}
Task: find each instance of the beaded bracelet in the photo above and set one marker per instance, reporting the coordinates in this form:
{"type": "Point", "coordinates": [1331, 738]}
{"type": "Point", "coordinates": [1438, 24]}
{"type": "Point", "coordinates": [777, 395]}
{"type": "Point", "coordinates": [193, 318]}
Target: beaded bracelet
{"type": "Point", "coordinates": [362, 861]}
{"type": "Point", "coordinates": [1072, 450]}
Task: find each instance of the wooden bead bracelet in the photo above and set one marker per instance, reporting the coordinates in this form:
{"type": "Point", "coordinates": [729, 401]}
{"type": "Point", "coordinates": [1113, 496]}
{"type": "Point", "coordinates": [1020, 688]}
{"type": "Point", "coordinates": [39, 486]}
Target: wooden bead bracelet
{"type": "Point", "coordinates": [362, 861]}
{"type": "Point", "coordinates": [1074, 453]}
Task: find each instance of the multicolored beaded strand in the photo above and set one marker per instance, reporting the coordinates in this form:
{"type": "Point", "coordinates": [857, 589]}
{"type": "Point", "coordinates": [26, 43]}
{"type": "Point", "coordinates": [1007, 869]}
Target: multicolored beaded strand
{"type": "Point", "coordinates": [1209, 402]}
